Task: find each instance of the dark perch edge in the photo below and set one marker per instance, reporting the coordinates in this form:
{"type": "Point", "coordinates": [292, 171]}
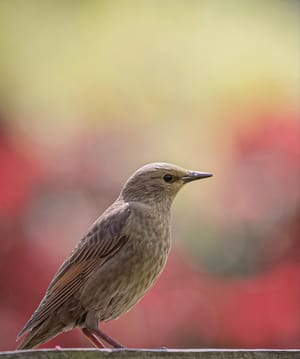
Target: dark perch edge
{"type": "Point", "coordinates": [151, 354]}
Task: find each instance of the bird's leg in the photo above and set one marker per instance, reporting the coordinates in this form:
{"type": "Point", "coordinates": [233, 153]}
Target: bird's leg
{"type": "Point", "coordinates": [101, 335]}
{"type": "Point", "coordinates": [90, 336]}
{"type": "Point", "coordinates": [92, 327]}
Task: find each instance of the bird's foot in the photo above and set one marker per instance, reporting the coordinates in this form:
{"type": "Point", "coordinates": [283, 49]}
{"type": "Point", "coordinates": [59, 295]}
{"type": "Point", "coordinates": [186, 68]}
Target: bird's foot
{"type": "Point", "coordinates": [101, 335]}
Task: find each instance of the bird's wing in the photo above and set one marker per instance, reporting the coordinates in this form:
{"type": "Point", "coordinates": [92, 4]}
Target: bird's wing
{"type": "Point", "coordinates": [106, 237]}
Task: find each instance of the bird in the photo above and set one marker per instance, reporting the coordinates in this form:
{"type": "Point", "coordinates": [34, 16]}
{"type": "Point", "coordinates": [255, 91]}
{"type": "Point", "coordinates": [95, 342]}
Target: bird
{"type": "Point", "coordinates": [115, 263]}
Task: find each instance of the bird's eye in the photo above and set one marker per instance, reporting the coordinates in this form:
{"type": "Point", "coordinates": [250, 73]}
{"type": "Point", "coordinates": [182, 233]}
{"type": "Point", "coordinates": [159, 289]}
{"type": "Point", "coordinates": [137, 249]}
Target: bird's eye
{"type": "Point", "coordinates": [169, 178]}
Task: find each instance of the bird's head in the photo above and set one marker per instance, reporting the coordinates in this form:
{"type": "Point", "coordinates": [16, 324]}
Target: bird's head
{"type": "Point", "coordinates": [158, 183]}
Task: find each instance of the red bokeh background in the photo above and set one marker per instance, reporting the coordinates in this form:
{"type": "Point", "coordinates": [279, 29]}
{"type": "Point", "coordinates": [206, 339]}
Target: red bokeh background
{"type": "Point", "coordinates": [190, 306]}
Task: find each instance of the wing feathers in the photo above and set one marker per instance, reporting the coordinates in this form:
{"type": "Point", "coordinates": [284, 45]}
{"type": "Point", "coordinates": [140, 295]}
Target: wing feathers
{"type": "Point", "coordinates": [105, 238]}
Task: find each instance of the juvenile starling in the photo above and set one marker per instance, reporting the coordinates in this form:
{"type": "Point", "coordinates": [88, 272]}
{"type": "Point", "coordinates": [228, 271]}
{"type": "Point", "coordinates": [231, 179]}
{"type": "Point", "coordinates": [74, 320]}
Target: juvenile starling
{"type": "Point", "coordinates": [116, 263]}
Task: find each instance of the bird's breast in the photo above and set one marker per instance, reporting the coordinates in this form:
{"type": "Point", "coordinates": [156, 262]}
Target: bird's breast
{"type": "Point", "coordinates": [147, 255]}
{"type": "Point", "coordinates": [150, 249]}
{"type": "Point", "coordinates": [126, 277]}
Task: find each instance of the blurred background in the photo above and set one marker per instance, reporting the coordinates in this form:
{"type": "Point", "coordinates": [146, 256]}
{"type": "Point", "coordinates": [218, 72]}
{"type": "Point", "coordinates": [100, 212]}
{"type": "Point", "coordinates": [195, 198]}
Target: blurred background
{"type": "Point", "coordinates": [90, 91]}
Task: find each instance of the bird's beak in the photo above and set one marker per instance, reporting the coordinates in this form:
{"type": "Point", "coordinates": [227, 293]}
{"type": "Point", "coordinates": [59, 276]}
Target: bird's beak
{"type": "Point", "coordinates": [193, 176]}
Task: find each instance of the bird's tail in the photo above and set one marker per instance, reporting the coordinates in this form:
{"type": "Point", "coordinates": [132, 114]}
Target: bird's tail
{"type": "Point", "coordinates": [41, 333]}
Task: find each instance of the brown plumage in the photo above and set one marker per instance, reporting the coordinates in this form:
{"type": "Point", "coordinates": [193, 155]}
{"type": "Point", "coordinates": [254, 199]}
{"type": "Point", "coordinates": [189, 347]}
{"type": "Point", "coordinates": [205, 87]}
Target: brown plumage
{"type": "Point", "coordinates": [116, 263]}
